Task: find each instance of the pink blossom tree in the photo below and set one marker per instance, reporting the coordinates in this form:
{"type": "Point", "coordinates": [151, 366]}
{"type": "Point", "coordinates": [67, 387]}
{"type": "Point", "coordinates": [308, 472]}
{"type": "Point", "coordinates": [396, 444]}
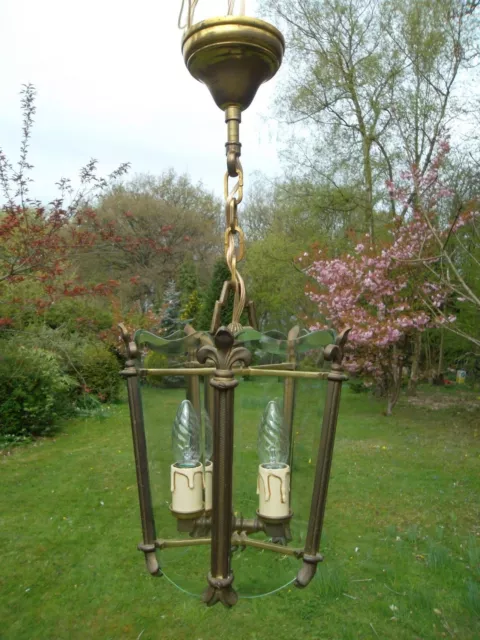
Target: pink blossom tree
{"type": "Point", "coordinates": [389, 293]}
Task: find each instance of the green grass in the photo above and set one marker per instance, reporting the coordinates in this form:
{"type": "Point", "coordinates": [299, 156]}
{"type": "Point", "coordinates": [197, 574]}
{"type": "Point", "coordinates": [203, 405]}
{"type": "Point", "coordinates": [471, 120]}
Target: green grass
{"type": "Point", "coordinates": [401, 540]}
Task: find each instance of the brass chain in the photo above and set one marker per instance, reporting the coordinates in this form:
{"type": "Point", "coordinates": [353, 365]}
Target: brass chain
{"type": "Point", "coordinates": [235, 243]}
{"type": "Point", "coordinates": [187, 11]}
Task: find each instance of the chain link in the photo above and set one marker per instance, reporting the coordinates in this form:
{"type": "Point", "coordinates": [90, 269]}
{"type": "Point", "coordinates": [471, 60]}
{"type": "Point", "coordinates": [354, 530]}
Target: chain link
{"type": "Point", "coordinates": [235, 243]}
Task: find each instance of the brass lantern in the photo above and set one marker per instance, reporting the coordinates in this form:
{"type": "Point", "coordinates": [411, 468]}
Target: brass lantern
{"type": "Point", "coordinates": [203, 487]}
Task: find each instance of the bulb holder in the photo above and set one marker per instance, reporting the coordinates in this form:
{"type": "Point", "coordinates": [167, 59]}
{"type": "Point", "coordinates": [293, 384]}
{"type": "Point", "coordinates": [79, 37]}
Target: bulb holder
{"type": "Point", "coordinates": [233, 56]}
{"type": "Point", "coordinates": [186, 484]}
{"type": "Point", "coordinates": [273, 489]}
{"type": "Point", "coordinates": [208, 485]}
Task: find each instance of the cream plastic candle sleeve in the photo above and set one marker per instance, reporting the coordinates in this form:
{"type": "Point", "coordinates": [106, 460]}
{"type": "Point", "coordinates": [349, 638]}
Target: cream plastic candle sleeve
{"type": "Point", "coordinates": [208, 480]}
{"type": "Point", "coordinates": [187, 488]}
{"type": "Point", "coordinates": [273, 488]}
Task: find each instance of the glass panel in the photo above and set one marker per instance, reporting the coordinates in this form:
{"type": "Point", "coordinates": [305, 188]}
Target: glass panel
{"type": "Point", "coordinates": [256, 571]}
{"type": "Point", "coordinates": [176, 343]}
{"type": "Point", "coordinates": [175, 423]}
{"type": "Point", "coordinates": [262, 435]}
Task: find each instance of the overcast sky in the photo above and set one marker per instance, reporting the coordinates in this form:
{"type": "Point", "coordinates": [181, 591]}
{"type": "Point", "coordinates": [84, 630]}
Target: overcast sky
{"type": "Point", "coordinates": [112, 85]}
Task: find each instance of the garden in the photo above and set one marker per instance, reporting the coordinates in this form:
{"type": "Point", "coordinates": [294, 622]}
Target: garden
{"type": "Point", "coordinates": [401, 540]}
{"type": "Point", "coordinates": [371, 231]}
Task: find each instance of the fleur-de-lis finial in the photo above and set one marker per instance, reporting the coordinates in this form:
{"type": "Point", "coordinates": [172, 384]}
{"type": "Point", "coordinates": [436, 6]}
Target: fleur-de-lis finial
{"type": "Point", "coordinates": [130, 345]}
{"type": "Point", "coordinates": [335, 352]}
{"type": "Point", "coordinates": [224, 354]}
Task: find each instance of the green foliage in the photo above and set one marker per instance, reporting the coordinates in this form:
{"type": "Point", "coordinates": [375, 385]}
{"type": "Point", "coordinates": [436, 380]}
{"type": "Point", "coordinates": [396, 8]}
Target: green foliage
{"type": "Point", "coordinates": [192, 309]}
{"type": "Point", "coordinates": [155, 360]}
{"type": "Point", "coordinates": [98, 370]}
{"type": "Point", "coordinates": [187, 281]}
{"type": "Point", "coordinates": [171, 308]}
{"type": "Point", "coordinates": [275, 283]}
{"type": "Point", "coordinates": [88, 361]}
{"type": "Point", "coordinates": [89, 406]}
{"type": "Point", "coordinates": [357, 385]}
{"type": "Point", "coordinates": [78, 315]}
{"type": "Point", "coordinates": [34, 391]}
{"type": "Point", "coordinates": [221, 273]}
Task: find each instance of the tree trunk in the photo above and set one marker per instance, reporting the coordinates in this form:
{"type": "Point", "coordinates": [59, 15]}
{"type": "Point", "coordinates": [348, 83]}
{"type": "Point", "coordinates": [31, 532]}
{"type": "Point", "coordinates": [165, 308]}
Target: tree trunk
{"type": "Point", "coordinates": [428, 357]}
{"type": "Point", "coordinates": [417, 349]}
{"type": "Point", "coordinates": [368, 177]}
{"type": "Point", "coordinates": [439, 379]}
{"type": "Point", "coordinates": [395, 386]}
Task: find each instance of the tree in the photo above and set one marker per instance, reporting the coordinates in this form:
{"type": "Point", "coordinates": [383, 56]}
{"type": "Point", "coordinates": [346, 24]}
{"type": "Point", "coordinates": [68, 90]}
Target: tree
{"type": "Point", "coordinates": [192, 309]}
{"type": "Point", "coordinates": [389, 294]}
{"type": "Point", "coordinates": [288, 216]}
{"type": "Point", "coordinates": [187, 280]}
{"type": "Point", "coordinates": [343, 72]}
{"type": "Point", "coordinates": [39, 243]}
{"type": "Point", "coordinates": [170, 220]}
{"type": "Point", "coordinates": [371, 293]}
{"type": "Point", "coordinates": [221, 274]}
{"type": "Point", "coordinates": [373, 80]}
{"type": "Point", "coordinates": [449, 252]}
{"type": "Point", "coordinates": [171, 309]}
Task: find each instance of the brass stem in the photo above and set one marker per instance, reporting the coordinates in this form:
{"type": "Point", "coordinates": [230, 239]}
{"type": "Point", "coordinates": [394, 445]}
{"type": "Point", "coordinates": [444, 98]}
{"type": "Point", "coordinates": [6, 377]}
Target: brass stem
{"type": "Point", "coordinates": [233, 117]}
{"type": "Point", "coordinates": [242, 371]}
{"type": "Point", "coordinates": [243, 540]}
{"type": "Point", "coordinates": [175, 544]}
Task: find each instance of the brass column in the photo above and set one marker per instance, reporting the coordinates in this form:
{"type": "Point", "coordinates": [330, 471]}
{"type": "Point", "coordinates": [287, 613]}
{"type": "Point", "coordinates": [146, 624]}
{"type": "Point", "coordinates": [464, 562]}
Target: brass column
{"type": "Point", "coordinates": [224, 354]}
{"type": "Point", "coordinates": [311, 557]}
{"type": "Point", "coordinates": [140, 451]}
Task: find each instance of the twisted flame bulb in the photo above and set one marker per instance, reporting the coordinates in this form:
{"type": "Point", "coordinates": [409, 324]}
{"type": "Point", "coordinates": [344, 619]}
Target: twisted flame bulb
{"type": "Point", "coordinates": [273, 444]}
{"type": "Point", "coordinates": [186, 436]}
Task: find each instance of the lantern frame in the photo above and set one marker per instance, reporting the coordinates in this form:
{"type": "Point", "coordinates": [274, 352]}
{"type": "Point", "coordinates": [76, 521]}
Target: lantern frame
{"type": "Point", "coordinates": [224, 359]}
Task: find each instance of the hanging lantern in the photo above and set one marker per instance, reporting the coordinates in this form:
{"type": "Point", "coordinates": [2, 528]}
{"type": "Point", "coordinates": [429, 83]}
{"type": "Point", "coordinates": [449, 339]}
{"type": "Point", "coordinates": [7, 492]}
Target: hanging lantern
{"type": "Point", "coordinates": [203, 496]}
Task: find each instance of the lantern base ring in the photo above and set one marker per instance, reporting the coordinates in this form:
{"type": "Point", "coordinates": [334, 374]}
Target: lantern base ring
{"type": "Point", "coordinates": [308, 570]}
{"type": "Point", "coordinates": [313, 559]}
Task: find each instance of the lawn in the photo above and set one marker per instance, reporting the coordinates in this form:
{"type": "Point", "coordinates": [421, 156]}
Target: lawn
{"type": "Point", "coordinates": [401, 540]}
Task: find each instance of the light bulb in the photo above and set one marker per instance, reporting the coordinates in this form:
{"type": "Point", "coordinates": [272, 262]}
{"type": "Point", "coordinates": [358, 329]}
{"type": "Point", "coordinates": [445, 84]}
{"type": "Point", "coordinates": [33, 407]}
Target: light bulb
{"type": "Point", "coordinates": [273, 444]}
{"type": "Point", "coordinates": [186, 436]}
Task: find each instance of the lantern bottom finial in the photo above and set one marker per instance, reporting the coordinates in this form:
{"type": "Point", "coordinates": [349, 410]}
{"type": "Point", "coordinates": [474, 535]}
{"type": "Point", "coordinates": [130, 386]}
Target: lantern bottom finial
{"type": "Point", "coordinates": [220, 590]}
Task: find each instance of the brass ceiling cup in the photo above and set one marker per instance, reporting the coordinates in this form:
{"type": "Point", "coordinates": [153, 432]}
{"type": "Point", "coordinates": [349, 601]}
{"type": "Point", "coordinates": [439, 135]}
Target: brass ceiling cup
{"type": "Point", "coordinates": [233, 56]}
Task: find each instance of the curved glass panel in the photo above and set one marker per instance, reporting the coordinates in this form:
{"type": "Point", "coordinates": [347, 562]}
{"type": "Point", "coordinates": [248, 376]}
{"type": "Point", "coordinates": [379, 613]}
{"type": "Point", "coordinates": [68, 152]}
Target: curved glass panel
{"type": "Point", "coordinates": [276, 343]}
{"type": "Point", "coordinates": [176, 343]}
